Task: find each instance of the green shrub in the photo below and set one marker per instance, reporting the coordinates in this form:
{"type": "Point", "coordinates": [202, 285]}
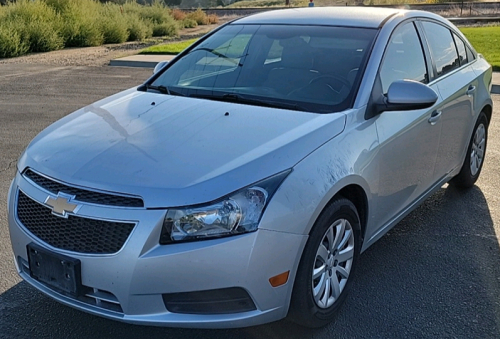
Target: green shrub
{"type": "Point", "coordinates": [157, 16]}
{"type": "Point", "coordinates": [113, 24]}
{"type": "Point", "coordinates": [165, 29]}
{"type": "Point", "coordinates": [37, 24]}
{"type": "Point", "coordinates": [189, 23]}
{"type": "Point", "coordinates": [43, 36]}
{"type": "Point", "coordinates": [11, 44]}
{"type": "Point", "coordinates": [138, 29]}
{"type": "Point", "coordinates": [157, 13]}
{"type": "Point", "coordinates": [45, 25]}
{"type": "Point", "coordinates": [81, 22]}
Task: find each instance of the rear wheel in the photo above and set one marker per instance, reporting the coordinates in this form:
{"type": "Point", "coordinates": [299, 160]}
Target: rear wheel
{"type": "Point", "coordinates": [474, 158]}
{"type": "Point", "coordinates": [327, 265]}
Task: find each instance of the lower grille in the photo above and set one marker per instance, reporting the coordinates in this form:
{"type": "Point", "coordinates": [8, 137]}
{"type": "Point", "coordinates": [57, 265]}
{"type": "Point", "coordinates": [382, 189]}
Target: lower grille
{"type": "Point", "coordinates": [220, 301]}
{"type": "Point", "coordinates": [76, 234]}
{"type": "Point", "coordinates": [101, 298]}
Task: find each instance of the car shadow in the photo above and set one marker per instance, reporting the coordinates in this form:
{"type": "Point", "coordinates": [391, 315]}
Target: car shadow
{"type": "Point", "coordinates": [436, 274]}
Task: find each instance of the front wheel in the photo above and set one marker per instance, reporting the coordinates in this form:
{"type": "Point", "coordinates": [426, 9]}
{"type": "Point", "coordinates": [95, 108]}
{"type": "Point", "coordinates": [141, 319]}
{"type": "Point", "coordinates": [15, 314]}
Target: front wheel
{"type": "Point", "coordinates": [327, 265]}
{"type": "Point", "coordinates": [474, 158]}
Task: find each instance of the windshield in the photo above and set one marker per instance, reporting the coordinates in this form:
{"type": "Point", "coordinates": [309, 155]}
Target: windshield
{"type": "Point", "coordinates": [307, 68]}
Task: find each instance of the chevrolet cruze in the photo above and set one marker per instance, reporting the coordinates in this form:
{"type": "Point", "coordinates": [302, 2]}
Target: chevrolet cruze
{"type": "Point", "coordinates": [240, 183]}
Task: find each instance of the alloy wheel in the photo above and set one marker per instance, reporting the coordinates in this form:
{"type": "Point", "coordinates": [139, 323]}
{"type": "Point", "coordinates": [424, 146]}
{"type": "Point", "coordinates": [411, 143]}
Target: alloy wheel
{"type": "Point", "coordinates": [333, 263]}
{"type": "Point", "coordinates": [477, 149]}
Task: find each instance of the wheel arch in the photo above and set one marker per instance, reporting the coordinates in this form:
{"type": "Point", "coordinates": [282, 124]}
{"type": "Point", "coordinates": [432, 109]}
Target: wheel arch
{"type": "Point", "coordinates": [488, 110]}
{"type": "Point", "coordinates": [356, 194]}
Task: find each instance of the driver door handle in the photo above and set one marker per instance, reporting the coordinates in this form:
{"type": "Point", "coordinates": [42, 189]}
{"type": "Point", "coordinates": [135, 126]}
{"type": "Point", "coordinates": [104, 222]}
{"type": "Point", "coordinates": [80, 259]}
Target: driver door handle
{"type": "Point", "coordinates": [434, 117]}
{"type": "Point", "coordinates": [470, 90]}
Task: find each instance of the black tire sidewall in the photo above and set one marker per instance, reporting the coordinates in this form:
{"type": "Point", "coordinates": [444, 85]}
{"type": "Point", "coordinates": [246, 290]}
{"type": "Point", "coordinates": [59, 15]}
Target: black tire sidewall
{"type": "Point", "coordinates": [303, 309]}
{"type": "Point", "coordinates": [465, 179]}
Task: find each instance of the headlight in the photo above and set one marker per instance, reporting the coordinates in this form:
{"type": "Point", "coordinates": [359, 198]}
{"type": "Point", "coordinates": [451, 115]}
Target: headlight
{"type": "Point", "coordinates": [239, 212]}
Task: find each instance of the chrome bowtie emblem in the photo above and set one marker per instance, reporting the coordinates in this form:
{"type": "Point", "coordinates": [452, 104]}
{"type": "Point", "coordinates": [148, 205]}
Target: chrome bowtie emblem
{"type": "Point", "coordinates": [61, 205]}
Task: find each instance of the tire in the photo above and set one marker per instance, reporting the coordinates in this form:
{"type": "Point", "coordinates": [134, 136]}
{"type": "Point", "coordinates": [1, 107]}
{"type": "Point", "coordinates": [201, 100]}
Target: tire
{"type": "Point", "coordinates": [474, 159]}
{"type": "Point", "coordinates": [333, 263]}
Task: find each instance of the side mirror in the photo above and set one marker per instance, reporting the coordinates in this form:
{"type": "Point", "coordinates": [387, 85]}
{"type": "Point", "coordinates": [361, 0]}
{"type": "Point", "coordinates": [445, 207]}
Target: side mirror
{"type": "Point", "coordinates": [405, 95]}
{"type": "Point", "coordinates": [159, 66]}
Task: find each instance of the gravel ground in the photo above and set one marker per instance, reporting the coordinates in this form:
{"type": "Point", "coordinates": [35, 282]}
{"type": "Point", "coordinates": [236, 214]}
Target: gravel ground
{"type": "Point", "coordinates": [101, 55]}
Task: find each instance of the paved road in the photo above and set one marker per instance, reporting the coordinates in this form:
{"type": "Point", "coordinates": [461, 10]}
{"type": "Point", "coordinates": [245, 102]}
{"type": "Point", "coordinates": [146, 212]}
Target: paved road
{"type": "Point", "coordinates": [437, 274]}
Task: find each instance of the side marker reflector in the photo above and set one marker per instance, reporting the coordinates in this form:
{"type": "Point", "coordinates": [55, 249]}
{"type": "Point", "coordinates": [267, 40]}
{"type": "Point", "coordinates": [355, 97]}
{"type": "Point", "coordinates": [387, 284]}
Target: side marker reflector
{"type": "Point", "coordinates": [279, 279]}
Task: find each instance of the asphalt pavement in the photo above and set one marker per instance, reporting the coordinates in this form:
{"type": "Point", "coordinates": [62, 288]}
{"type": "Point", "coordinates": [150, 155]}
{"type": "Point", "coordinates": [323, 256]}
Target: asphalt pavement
{"type": "Point", "coordinates": [435, 275]}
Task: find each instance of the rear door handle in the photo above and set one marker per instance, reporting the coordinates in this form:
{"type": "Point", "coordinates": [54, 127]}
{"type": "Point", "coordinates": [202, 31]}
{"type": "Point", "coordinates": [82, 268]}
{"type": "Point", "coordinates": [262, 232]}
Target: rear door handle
{"type": "Point", "coordinates": [435, 117]}
{"type": "Point", "coordinates": [470, 90]}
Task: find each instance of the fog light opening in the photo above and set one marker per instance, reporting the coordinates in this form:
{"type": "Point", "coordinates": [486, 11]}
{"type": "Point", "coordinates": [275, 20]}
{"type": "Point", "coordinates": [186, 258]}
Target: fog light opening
{"type": "Point", "coordinates": [279, 279]}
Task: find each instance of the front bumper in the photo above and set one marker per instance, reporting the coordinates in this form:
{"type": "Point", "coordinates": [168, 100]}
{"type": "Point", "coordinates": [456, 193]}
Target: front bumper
{"type": "Point", "coordinates": [130, 285]}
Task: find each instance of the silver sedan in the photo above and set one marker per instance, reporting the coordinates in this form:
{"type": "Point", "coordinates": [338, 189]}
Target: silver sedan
{"type": "Point", "coordinates": [240, 183]}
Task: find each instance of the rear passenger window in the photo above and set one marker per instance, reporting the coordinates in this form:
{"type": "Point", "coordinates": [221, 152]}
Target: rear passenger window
{"type": "Point", "coordinates": [404, 58]}
{"type": "Point", "coordinates": [462, 53]}
{"type": "Point", "coordinates": [442, 47]}
{"type": "Point", "coordinates": [470, 55]}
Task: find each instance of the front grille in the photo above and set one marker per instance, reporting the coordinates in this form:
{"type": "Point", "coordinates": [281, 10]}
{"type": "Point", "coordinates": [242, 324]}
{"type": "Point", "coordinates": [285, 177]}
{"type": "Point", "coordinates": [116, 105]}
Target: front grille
{"type": "Point", "coordinates": [81, 194]}
{"type": "Point", "coordinates": [76, 234]}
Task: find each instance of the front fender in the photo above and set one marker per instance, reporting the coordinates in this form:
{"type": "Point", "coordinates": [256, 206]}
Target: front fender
{"type": "Point", "coordinates": [347, 159]}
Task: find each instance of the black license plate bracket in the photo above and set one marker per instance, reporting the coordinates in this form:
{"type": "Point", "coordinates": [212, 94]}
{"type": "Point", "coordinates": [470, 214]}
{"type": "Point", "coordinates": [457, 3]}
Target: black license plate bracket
{"type": "Point", "coordinates": [56, 270]}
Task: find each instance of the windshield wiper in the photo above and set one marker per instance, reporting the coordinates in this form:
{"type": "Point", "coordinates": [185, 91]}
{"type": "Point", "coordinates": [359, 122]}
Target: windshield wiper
{"type": "Point", "coordinates": [220, 55]}
{"type": "Point", "coordinates": [233, 97]}
{"type": "Point", "coordinates": [164, 90]}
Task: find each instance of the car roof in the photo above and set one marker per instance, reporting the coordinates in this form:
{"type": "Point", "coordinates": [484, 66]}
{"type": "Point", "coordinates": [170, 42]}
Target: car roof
{"type": "Point", "coordinates": [350, 16]}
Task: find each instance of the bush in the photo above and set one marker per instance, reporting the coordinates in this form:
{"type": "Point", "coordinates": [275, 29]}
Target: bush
{"type": "Point", "coordinates": [36, 24]}
{"type": "Point", "coordinates": [157, 13]}
{"type": "Point", "coordinates": [156, 16]}
{"type": "Point", "coordinates": [189, 23]}
{"type": "Point", "coordinates": [46, 25]}
{"type": "Point", "coordinates": [42, 35]}
{"type": "Point", "coordinates": [138, 29]}
{"type": "Point", "coordinates": [11, 44]}
{"type": "Point", "coordinates": [113, 24]}
{"type": "Point", "coordinates": [199, 16]}
{"type": "Point", "coordinates": [165, 29]}
{"type": "Point", "coordinates": [213, 19]}
{"type": "Point", "coordinates": [81, 22]}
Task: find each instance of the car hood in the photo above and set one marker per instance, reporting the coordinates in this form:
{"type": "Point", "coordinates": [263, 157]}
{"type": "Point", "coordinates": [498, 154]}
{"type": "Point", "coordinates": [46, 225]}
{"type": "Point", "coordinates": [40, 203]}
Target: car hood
{"type": "Point", "coordinates": [175, 151]}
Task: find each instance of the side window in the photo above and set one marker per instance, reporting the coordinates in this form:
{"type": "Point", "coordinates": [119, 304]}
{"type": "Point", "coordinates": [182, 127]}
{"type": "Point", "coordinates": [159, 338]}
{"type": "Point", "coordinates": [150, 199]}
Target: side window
{"type": "Point", "coordinates": [442, 47]}
{"type": "Point", "coordinates": [462, 53]}
{"type": "Point", "coordinates": [470, 55]}
{"type": "Point", "coordinates": [404, 58]}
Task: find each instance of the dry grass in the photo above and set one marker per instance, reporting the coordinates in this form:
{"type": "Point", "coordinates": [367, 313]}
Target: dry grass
{"type": "Point", "coordinates": [178, 14]}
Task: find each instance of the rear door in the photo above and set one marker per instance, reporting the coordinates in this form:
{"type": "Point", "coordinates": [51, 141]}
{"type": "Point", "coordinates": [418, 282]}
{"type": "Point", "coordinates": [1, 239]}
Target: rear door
{"type": "Point", "coordinates": [457, 84]}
